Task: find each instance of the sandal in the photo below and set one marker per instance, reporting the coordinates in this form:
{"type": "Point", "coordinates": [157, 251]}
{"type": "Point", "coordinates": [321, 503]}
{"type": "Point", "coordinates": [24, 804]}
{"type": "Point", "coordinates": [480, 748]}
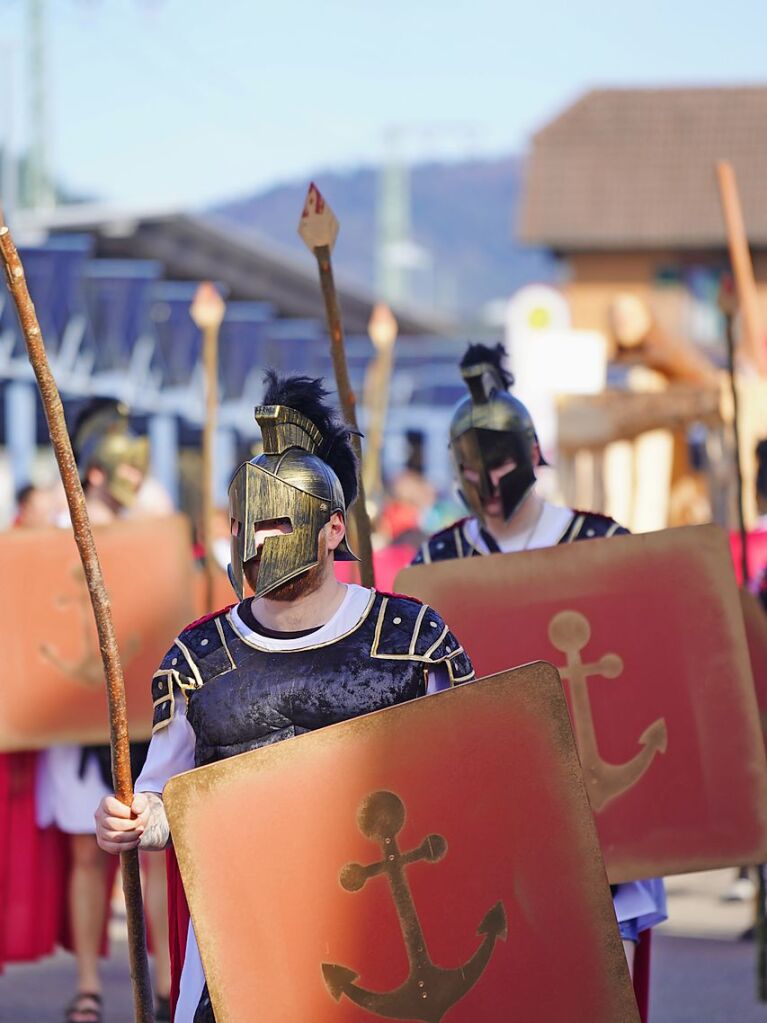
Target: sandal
{"type": "Point", "coordinates": [85, 1007]}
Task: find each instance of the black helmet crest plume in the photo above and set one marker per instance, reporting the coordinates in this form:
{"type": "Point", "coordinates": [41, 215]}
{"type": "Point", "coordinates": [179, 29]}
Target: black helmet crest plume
{"type": "Point", "coordinates": [307, 396]}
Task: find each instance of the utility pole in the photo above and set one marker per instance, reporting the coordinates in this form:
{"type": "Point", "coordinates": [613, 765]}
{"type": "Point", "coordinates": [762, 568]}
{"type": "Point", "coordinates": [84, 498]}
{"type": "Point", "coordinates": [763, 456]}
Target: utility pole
{"type": "Point", "coordinates": [396, 253]}
{"type": "Point", "coordinates": [393, 224]}
{"type": "Point", "coordinates": [39, 190]}
{"type": "Point", "coordinates": [9, 165]}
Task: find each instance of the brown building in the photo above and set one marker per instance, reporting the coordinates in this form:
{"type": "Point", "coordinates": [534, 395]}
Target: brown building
{"type": "Point", "coordinates": [622, 186]}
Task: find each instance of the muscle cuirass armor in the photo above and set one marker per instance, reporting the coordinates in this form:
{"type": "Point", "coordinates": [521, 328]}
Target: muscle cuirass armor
{"type": "Point", "coordinates": [241, 696]}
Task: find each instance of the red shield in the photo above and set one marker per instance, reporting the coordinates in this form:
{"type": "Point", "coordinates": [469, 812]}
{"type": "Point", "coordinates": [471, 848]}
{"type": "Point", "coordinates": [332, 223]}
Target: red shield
{"type": "Point", "coordinates": [53, 682]}
{"type": "Point", "coordinates": [648, 634]}
{"type": "Point", "coordinates": [436, 860]}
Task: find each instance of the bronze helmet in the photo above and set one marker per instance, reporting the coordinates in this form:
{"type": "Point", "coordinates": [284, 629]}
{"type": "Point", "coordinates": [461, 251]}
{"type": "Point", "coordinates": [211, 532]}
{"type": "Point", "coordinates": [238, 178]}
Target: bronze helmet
{"type": "Point", "coordinates": [296, 478]}
{"type": "Point", "coordinates": [490, 427]}
{"type": "Point", "coordinates": [102, 439]}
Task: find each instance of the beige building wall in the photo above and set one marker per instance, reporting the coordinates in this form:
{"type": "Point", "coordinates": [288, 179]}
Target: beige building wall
{"type": "Point", "coordinates": [595, 277]}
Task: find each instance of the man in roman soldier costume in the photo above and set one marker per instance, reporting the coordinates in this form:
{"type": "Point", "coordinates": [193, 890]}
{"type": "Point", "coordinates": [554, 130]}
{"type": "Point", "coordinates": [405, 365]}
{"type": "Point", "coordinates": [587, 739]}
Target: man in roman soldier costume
{"type": "Point", "coordinates": [305, 651]}
{"type": "Point", "coordinates": [113, 462]}
{"type": "Point", "coordinates": [496, 452]}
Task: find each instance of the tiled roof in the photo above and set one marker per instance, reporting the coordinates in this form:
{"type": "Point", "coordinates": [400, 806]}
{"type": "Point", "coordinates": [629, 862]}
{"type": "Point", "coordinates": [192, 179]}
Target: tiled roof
{"type": "Point", "coordinates": [634, 168]}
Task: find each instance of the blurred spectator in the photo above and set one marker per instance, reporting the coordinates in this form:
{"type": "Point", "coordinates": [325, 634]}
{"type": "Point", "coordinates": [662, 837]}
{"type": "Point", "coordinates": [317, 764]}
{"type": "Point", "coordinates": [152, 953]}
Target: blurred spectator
{"type": "Point", "coordinates": [411, 498]}
{"type": "Point", "coordinates": [152, 501]}
{"type": "Point", "coordinates": [35, 507]}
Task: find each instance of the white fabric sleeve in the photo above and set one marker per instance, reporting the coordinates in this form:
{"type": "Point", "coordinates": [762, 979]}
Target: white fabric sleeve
{"type": "Point", "coordinates": [171, 751]}
{"type": "Point", "coordinates": [439, 678]}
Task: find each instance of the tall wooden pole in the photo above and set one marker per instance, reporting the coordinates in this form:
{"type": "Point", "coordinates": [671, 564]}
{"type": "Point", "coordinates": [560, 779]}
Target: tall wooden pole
{"type": "Point", "coordinates": [207, 310]}
{"type": "Point", "coordinates": [728, 305]}
{"type": "Point", "coordinates": [319, 229]}
{"type": "Point", "coordinates": [742, 267]}
{"type": "Point", "coordinates": [382, 330]}
{"type": "Point", "coordinates": [118, 719]}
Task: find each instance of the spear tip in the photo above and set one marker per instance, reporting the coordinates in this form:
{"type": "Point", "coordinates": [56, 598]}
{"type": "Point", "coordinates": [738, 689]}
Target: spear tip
{"type": "Point", "coordinates": [382, 326]}
{"type": "Point", "coordinates": [318, 225]}
{"type": "Point", "coordinates": [208, 307]}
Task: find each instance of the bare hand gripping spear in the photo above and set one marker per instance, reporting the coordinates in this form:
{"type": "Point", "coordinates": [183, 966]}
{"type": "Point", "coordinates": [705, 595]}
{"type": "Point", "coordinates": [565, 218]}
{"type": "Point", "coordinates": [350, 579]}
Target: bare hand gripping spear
{"type": "Point", "coordinates": [118, 721]}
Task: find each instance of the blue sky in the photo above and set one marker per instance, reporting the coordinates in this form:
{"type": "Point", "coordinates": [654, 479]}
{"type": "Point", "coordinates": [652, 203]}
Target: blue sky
{"type": "Point", "coordinates": [184, 102]}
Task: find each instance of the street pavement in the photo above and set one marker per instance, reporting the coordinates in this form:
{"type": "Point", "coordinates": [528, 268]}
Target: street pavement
{"type": "Point", "coordinates": [702, 972]}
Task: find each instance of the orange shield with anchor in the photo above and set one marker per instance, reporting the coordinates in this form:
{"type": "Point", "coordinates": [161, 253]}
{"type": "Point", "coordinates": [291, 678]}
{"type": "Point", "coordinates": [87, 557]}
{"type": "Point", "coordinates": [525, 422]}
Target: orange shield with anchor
{"type": "Point", "coordinates": [53, 687]}
{"type": "Point", "coordinates": [647, 633]}
{"type": "Point", "coordinates": [434, 861]}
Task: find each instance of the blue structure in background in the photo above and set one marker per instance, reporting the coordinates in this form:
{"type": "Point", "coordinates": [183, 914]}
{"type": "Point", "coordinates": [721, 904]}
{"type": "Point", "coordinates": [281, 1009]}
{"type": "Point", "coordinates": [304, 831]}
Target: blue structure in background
{"type": "Point", "coordinates": [115, 327]}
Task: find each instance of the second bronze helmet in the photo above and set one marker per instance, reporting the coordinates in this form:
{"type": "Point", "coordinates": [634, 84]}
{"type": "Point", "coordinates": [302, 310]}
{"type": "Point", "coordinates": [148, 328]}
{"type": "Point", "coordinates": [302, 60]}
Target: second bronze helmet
{"type": "Point", "coordinates": [489, 428]}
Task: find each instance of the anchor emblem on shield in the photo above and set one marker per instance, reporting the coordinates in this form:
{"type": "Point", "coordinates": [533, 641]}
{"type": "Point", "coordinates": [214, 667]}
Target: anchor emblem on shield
{"type": "Point", "coordinates": [88, 669]}
{"type": "Point", "coordinates": [429, 991]}
{"type": "Point", "coordinates": [570, 632]}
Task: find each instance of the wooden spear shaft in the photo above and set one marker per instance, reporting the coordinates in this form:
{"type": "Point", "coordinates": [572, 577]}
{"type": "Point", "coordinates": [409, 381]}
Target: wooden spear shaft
{"type": "Point", "coordinates": [377, 405]}
{"type": "Point", "coordinates": [348, 406]}
{"type": "Point", "coordinates": [742, 267]}
{"type": "Point", "coordinates": [118, 721]}
{"type": "Point", "coordinates": [210, 361]}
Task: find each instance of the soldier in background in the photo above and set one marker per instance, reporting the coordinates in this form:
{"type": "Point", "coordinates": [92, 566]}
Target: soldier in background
{"type": "Point", "coordinates": [72, 780]}
{"type": "Point", "coordinates": [496, 453]}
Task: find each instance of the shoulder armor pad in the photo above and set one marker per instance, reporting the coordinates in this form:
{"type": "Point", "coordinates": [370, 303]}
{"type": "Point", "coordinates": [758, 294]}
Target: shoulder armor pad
{"type": "Point", "coordinates": [445, 545]}
{"type": "Point", "coordinates": [407, 629]}
{"type": "Point", "coordinates": [201, 652]}
{"type": "Point", "coordinates": [592, 526]}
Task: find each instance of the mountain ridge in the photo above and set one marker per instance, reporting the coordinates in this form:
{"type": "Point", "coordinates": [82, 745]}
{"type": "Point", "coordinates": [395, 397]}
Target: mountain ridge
{"type": "Point", "coordinates": [462, 216]}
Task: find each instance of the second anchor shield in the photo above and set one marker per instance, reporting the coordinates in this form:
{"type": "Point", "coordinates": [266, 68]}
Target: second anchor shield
{"type": "Point", "coordinates": [429, 991]}
{"type": "Point", "coordinates": [647, 632]}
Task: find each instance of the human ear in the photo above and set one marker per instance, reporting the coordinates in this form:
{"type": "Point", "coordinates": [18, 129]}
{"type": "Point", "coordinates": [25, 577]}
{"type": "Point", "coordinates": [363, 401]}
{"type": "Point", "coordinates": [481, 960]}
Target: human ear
{"type": "Point", "coordinates": [335, 530]}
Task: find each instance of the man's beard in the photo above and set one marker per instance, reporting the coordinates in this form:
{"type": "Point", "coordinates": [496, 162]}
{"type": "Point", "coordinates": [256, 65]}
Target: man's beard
{"type": "Point", "coordinates": [300, 586]}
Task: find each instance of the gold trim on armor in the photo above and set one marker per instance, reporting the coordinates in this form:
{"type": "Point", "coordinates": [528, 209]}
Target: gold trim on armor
{"type": "Point", "coordinates": [575, 527]}
{"type": "Point", "coordinates": [190, 662]}
{"type": "Point", "coordinates": [410, 655]}
{"type": "Point", "coordinates": [311, 646]}
{"type": "Point", "coordinates": [468, 539]}
{"type": "Point", "coordinates": [159, 725]}
{"type": "Point", "coordinates": [171, 677]}
{"type": "Point", "coordinates": [461, 678]}
{"type": "Point", "coordinates": [379, 625]}
{"type": "Point", "coordinates": [458, 545]}
{"type": "Point", "coordinates": [417, 628]}
{"type": "Point", "coordinates": [220, 629]}
{"type": "Point", "coordinates": [440, 639]}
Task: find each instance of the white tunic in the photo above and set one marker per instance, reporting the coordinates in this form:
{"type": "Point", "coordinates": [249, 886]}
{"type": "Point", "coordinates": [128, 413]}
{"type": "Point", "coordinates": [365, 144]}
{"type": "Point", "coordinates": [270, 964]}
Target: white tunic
{"type": "Point", "coordinates": [171, 752]}
{"type": "Point", "coordinates": [547, 531]}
